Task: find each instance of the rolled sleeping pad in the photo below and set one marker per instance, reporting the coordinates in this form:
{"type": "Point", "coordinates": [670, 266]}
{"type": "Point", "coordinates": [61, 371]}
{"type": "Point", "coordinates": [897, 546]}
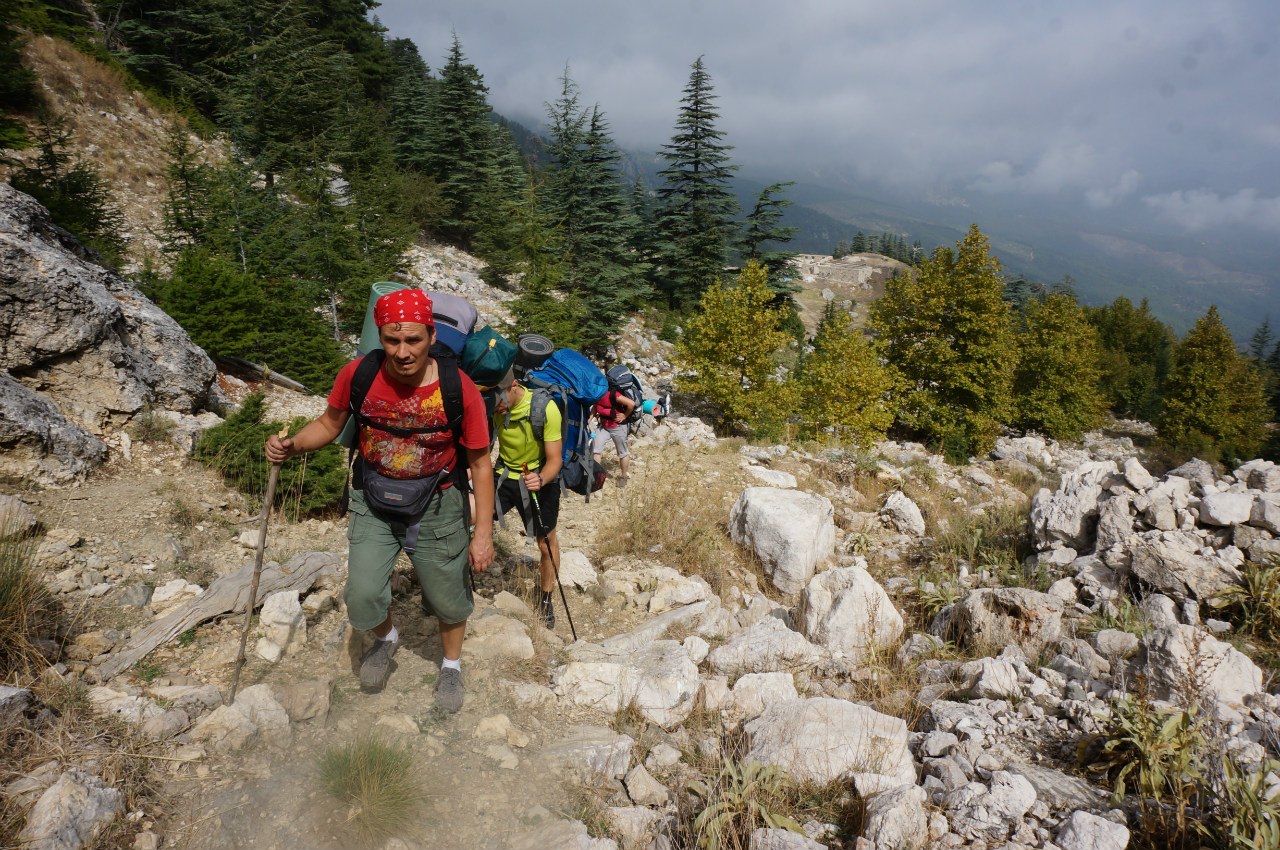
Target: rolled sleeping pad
{"type": "Point", "coordinates": [368, 342]}
{"type": "Point", "coordinates": [532, 350]}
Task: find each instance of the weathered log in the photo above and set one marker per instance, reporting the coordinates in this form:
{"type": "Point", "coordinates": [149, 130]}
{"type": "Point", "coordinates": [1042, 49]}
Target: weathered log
{"type": "Point", "coordinates": [227, 595]}
{"type": "Point", "coordinates": [257, 370]}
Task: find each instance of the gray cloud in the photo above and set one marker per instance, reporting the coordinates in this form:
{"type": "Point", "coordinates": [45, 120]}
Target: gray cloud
{"type": "Point", "coordinates": [1081, 101]}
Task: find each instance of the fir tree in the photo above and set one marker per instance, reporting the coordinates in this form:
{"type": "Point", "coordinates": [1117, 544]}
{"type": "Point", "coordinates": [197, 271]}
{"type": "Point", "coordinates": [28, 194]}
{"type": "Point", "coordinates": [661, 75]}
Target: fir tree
{"type": "Point", "coordinates": [729, 346]}
{"type": "Point", "coordinates": [17, 83]}
{"type": "Point", "coordinates": [946, 328]}
{"type": "Point", "coordinates": [410, 105]}
{"type": "Point", "coordinates": [841, 388]}
{"type": "Point", "coordinates": [460, 141]}
{"type": "Point", "coordinates": [73, 192]}
{"type": "Point", "coordinates": [1214, 404]}
{"type": "Point", "coordinates": [1056, 384]}
{"type": "Point", "coordinates": [696, 205]}
{"type": "Point", "coordinates": [1260, 342]}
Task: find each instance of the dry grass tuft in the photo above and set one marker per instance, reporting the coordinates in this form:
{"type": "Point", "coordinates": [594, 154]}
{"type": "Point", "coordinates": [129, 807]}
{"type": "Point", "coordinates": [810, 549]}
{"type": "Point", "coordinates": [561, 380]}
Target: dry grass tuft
{"type": "Point", "coordinates": [377, 780]}
{"type": "Point", "coordinates": [683, 526]}
{"type": "Point", "coordinates": [28, 611]}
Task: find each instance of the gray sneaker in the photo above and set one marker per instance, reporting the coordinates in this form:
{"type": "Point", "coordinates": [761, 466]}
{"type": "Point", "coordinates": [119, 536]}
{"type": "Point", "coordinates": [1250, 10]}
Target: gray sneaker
{"type": "Point", "coordinates": [375, 665]}
{"type": "Point", "coordinates": [449, 689]}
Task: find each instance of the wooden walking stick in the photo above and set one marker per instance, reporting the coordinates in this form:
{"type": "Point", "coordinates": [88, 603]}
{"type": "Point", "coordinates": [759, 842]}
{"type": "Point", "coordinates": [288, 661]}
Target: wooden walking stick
{"type": "Point", "coordinates": [267, 500]}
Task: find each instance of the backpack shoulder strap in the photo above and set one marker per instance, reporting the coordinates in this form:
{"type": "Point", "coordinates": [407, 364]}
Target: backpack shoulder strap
{"type": "Point", "coordinates": [538, 411]}
{"type": "Point", "coordinates": [362, 380]}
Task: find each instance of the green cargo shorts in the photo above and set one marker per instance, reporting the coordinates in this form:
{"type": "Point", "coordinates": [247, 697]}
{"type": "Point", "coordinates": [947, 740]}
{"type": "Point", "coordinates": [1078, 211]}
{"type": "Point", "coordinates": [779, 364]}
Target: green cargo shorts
{"type": "Point", "coordinates": [440, 561]}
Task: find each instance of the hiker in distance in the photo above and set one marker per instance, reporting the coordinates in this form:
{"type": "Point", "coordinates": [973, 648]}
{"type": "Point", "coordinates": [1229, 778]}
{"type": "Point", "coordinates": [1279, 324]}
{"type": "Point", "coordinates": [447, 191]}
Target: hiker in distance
{"type": "Point", "coordinates": [527, 475]}
{"type": "Point", "coordinates": [612, 412]}
{"type": "Point", "coordinates": [408, 483]}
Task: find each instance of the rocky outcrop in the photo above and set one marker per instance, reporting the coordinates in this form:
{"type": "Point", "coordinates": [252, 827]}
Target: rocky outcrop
{"type": "Point", "coordinates": [86, 351]}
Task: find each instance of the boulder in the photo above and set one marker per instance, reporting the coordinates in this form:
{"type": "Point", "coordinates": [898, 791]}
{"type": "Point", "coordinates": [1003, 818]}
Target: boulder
{"type": "Point", "coordinates": [667, 588]}
{"type": "Point", "coordinates": [1225, 509]}
{"type": "Point", "coordinates": [592, 753]}
{"type": "Point", "coordinates": [755, 691]}
{"type": "Point", "coordinates": [790, 531]}
{"type": "Point", "coordinates": [1265, 512]}
{"type": "Point", "coordinates": [1261, 475]}
{"type": "Point", "coordinates": [491, 637]}
{"type": "Point", "coordinates": [1181, 654]}
{"type": "Point", "coordinates": [772, 477]}
{"type": "Point", "coordinates": [903, 514]}
{"type": "Point", "coordinates": [896, 820]}
{"type": "Point", "coordinates": [635, 826]}
{"type": "Point", "coordinates": [1087, 831]}
{"type": "Point", "coordinates": [17, 520]}
{"type": "Point", "coordinates": [1170, 562]}
{"type": "Point", "coordinates": [576, 570]}
{"type": "Point", "coordinates": [121, 355]}
{"type": "Point", "coordinates": [822, 739]}
{"type": "Point", "coordinates": [643, 789]}
{"type": "Point", "coordinates": [981, 812]}
{"type": "Point", "coordinates": [1197, 472]}
{"type": "Point", "coordinates": [996, 617]}
{"type": "Point", "coordinates": [764, 647]}
{"type": "Point", "coordinates": [1137, 476]}
{"type": "Point", "coordinates": [847, 612]}
{"type": "Point", "coordinates": [767, 838]}
{"type": "Point", "coordinates": [1068, 515]}
{"type": "Point", "coordinates": [659, 680]}
{"type": "Point", "coordinates": [72, 813]}
{"type": "Point", "coordinates": [38, 443]}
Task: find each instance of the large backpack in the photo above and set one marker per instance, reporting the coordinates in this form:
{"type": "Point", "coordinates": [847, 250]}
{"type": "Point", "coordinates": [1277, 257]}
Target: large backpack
{"type": "Point", "coordinates": [575, 384]}
{"type": "Point", "coordinates": [455, 317]}
{"type": "Point", "coordinates": [622, 380]}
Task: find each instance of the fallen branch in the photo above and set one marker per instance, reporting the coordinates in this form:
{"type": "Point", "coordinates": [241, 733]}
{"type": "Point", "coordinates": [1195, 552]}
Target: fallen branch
{"type": "Point", "coordinates": [257, 370]}
{"type": "Point", "coordinates": [227, 595]}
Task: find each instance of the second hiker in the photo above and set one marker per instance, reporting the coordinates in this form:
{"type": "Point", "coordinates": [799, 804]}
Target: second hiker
{"type": "Point", "coordinates": [612, 412]}
{"type": "Point", "coordinates": [528, 468]}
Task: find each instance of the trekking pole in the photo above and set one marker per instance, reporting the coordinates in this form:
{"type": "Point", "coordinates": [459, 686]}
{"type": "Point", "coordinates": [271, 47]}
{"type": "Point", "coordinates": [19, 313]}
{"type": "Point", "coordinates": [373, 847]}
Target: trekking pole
{"type": "Point", "coordinates": [541, 532]}
{"type": "Point", "coordinates": [257, 569]}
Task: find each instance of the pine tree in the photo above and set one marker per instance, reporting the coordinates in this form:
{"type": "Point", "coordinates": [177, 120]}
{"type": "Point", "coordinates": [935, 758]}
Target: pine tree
{"type": "Point", "coordinates": [729, 346]}
{"type": "Point", "coordinates": [1214, 404]}
{"type": "Point", "coordinates": [841, 388]}
{"type": "Point", "coordinates": [1056, 384]}
{"type": "Point", "coordinates": [1260, 342]}
{"type": "Point", "coordinates": [764, 225]}
{"type": "Point", "coordinates": [696, 205]}
{"type": "Point", "coordinates": [946, 328]}
{"type": "Point", "coordinates": [17, 83]}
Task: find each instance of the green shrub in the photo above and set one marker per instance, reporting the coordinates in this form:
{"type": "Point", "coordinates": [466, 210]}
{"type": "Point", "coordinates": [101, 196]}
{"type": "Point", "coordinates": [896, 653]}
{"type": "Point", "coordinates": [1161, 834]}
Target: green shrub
{"type": "Point", "coordinates": [741, 798]}
{"type": "Point", "coordinates": [1254, 604]}
{"type": "Point", "coordinates": [308, 483]}
{"type": "Point", "coordinates": [378, 781]}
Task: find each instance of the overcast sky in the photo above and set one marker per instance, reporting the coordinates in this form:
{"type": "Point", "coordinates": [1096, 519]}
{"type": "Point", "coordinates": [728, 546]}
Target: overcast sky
{"type": "Point", "coordinates": [1168, 108]}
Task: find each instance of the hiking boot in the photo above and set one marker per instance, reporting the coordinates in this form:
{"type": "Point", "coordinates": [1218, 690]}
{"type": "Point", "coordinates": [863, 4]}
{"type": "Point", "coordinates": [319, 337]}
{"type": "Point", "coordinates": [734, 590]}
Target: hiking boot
{"type": "Point", "coordinates": [622, 481]}
{"type": "Point", "coordinates": [547, 610]}
{"type": "Point", "coordinates": [449, 689]}
{"type": "Point", "coordinates": [375, 664]}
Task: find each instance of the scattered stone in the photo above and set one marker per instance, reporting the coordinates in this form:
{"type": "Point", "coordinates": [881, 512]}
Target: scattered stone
{"type": "Point", "coordinates": [781, 839]}
{"type": "Point", "coordinates": [71, 813]}
{"type": "Point", "coordinates": [903, 514]}
{"type": "Point", "coordinates": [643, 789]}
{"type": "Point", "coordinates": [896, 818]}
{"type": "Point", "coordinates": [754, 691]}
{"type": "Point", "coordinates": [17, 520]}
{"type": "Point", "coordinates": [766, 646]}
{"type": "Point", "coordinates": [305, 700]}
{"type": "Point", "coordinates": [659, 679]}
{"type": "Point", "coordinates": [1086, 831]}
{"type": "Point", "coordinates": [592, 753]}
{"type": "Point", "coordinates": [772, 477]}
{"type": "Point", "coordinates": [283, 623]}
{"type": "Point", "coordinates": [576, 570]}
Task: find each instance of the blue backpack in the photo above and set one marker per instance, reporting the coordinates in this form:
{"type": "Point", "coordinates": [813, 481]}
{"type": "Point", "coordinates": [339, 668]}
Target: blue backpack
{"type": "Point", "coordinates": [575, 384]}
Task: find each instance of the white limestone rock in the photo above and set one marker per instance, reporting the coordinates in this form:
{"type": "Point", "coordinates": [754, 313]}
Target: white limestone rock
{"type": "Point", "coordinates": [846, 611]}
{"type": "Point", "coordinates": [1000, 616]}
{"type": "Point", "coordinates": [1172, 563]}
{"type": "Point", "coordinates": [982, 812]}
{"type": "Point", "coordinates": [129, 708]}
{"type": "Point", "coordinates": [592, 753]}
{"type": "Point", "coordinates": [659, 680]}
{"type": "Point", "coordinates": [755, 691]}
{"type": "Point", "coordinates": [790, 531]}
{"type": "Point", "coordinates": [643, 789]}
{"type": "Point", "coordinates": [1087, 831]}
{"type": "Point", "coordinates": [667, 588]}
{"type": "Point", "coordinates": [1137, 476]}
{"type": "Point", "coordinates": [1182, 653]}
{"type": "Point", "coordinates": [822, 739]}
{"type": "Point", "coordinates": [767, 838]}
{"type": "Point", "coordinates": [896, 819]}
{"type": "Point", "coordinates": [764, 647]}
{"type": "Point", "coordinates": [576, 570]}
{"type": "Point", "coordinates": [1225, 509]}
{"type": "Point", "coordinates": [1068, 515]}
{"type": "Point", "coordinates": [283, 623]}
{"type": "Point", "coordinates": [72, 813]}
{"type": "Point", "coordinates": [492, 637]}
{"type": "Point", "coordinates": [903, 514]}
{"type": "Point", "coordinates": [772, 477]}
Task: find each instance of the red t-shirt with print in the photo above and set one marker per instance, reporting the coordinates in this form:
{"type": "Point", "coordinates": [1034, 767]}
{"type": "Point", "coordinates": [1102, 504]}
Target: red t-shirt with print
{"type": "Point", "coordinates": [390, 402]}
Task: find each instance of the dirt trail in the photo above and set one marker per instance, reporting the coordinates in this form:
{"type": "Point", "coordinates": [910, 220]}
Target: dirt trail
{"type": "Point", "coordinates": [479, 791]}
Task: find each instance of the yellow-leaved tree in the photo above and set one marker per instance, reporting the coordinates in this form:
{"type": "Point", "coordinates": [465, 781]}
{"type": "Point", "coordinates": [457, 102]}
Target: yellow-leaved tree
{"type": "Point", "coordinates": [841, 388]}
{"type": "Point", "coordinates": [947, 330]}
{"type": "Point", "coordinates": [729, 348]}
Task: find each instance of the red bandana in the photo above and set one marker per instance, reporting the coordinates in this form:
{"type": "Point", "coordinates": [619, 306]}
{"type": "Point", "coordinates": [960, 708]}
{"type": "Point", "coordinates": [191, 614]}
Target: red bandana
{"type": "Point", "coordinates": [403, 305]}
